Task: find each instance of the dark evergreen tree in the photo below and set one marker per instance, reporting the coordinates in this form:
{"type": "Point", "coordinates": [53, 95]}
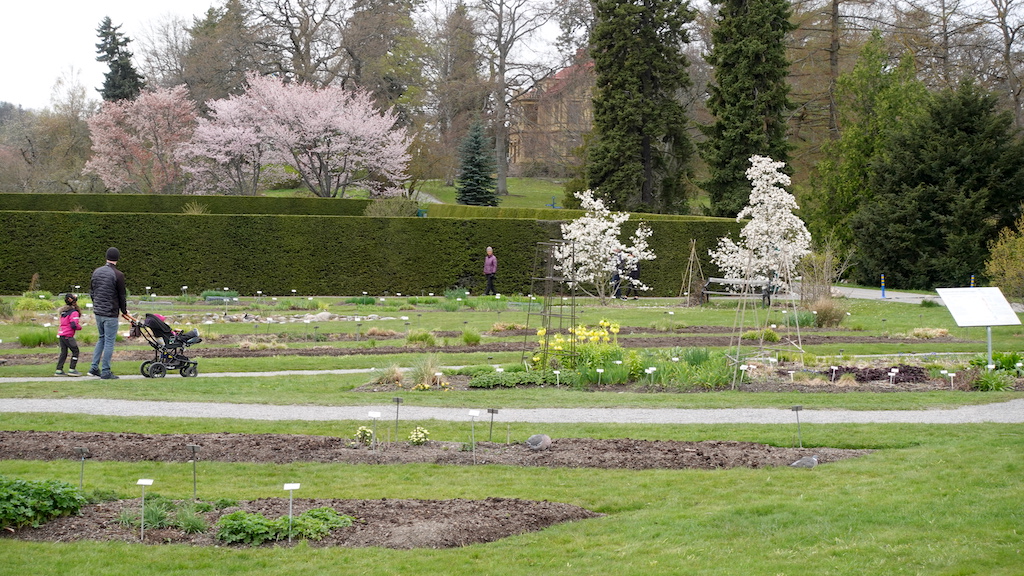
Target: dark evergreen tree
{"type": "Point", "coordinates": [945, 184]}
{"type": "Point", "coordinates": [641, 155]}
{"type": "Point", "coordinates": [122, 81]}
{"type": "Point", "coordinates": [874, 100]}
{"type": "Point", "coordinates": [476, 185]}
{"type": "Point", "coordinates": [749, 97]}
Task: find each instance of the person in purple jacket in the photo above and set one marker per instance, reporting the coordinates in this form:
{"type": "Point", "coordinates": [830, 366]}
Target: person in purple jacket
{"type": "Point", "coordinates": [490, 270]}
{"type": "Point", "coordinates": [70, 322]}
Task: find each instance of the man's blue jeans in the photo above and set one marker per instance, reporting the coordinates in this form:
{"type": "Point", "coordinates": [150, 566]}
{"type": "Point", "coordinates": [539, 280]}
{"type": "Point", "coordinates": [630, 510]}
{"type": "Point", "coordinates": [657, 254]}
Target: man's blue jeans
{"type": "Point", "coordinates": [107, 326]}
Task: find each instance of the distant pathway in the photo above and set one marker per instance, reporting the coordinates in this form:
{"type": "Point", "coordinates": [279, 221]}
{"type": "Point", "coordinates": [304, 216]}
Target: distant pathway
{"type": "Point", "coordinates": [1011, 412]}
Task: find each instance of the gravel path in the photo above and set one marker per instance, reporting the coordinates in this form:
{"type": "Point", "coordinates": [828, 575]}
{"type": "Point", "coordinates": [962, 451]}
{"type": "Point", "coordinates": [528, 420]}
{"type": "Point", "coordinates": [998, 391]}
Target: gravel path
{"type": "Point", "coordinates": [1007, 412]}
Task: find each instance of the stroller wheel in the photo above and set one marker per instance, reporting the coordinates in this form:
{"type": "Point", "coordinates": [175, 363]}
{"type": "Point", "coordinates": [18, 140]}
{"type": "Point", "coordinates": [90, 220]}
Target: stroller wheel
{"type": "Point", "coordinates": [157, 370]}
{"type": "Point", "coordinates": [189, 371]}
{"type": "Point", "coordinates": [144, 369]}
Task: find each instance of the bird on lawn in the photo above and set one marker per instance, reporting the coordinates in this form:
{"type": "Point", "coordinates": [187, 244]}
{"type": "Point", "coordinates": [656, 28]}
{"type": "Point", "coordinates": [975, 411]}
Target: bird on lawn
{"type": "Point", "coordinates": [539, 442]}
{"type": "Point", "coordinates": [806, 462]}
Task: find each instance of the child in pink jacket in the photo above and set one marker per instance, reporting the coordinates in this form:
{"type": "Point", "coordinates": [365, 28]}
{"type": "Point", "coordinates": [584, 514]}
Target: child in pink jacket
{"type": "Point", "coordinates": [70, 322]}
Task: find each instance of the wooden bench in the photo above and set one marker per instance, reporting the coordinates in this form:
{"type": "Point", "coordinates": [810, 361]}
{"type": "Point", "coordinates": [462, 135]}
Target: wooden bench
{"type": "Point", "coordinates": [764, 289]}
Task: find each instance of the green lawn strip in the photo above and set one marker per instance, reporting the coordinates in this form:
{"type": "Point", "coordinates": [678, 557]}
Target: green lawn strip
{"type": "Point", "coordinates": [939, 500]}
{"type": "Point", "coordinates": [523, 193]}
{"type": "Point", "coordinates": [336, 390]}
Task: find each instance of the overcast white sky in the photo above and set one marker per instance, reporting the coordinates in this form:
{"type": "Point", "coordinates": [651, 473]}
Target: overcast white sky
{"type": "Point", "coordinates": [42, 39]}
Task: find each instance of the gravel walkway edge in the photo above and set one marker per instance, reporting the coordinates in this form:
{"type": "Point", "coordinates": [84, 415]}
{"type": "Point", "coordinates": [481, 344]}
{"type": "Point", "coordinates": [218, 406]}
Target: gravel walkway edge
{"type": "Point", "coordinates": [1011, 412]}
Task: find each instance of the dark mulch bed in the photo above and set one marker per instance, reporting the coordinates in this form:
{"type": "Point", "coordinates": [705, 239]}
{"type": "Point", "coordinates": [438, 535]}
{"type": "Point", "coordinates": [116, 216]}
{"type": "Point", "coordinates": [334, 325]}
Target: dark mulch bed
{"type": "Point", "coordinates": [387, 523]}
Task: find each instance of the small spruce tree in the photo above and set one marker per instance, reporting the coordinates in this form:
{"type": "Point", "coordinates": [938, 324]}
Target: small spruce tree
{"type": "Point", "coordinates": [476, 185]}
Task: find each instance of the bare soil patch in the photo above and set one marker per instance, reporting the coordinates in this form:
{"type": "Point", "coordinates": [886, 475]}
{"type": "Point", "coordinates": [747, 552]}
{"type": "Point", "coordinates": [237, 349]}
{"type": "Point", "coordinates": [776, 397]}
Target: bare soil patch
{"type": "Point", "coordinates": [388, 523]}
{"type": "Point", "coordinates": [284, 449]}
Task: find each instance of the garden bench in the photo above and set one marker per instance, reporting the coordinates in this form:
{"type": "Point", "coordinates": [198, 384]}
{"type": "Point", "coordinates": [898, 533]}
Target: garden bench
{"type": "Point", "coordinates": [724, 288]}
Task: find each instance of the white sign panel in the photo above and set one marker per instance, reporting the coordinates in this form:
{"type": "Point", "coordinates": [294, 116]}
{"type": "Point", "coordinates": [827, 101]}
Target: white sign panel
{"type": "Point", "coordinates": [978, 306]}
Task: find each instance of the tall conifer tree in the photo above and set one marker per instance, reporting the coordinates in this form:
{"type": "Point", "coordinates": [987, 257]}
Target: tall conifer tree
{"type": "Point", "coordinates": [749, 98]}
{"type": "Point", "coordinates": [476, 184]}
{"type": "Point", "coordinates": [642, 152]}
{"type": "Point", "coordinates": [122, 81]}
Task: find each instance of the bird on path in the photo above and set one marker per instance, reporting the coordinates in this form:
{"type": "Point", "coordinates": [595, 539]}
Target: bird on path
{"type": "Point", "coordinates": [539, 442]}
{"type": "Point", "coordinates": [806, 462]}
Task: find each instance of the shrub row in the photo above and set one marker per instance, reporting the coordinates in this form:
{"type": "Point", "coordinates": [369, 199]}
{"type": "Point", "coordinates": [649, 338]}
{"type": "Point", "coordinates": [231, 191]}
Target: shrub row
{"type": "Point", "coordinates": [334, 255]}
{"type": "Point", "coordinates": [176, 204]}
{"type": "Point", "coordinates": [29, 503]}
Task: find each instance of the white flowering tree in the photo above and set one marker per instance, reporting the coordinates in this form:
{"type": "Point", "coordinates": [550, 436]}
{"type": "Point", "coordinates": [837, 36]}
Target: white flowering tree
{"type": "Point", "coordinates": [775, 239]}
{"type": "Point", "coordinates": [593, 254]}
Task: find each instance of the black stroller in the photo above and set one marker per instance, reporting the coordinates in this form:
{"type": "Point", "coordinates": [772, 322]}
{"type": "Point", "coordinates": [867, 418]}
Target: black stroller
{"type": "Point", "coordinates": [169, 346]}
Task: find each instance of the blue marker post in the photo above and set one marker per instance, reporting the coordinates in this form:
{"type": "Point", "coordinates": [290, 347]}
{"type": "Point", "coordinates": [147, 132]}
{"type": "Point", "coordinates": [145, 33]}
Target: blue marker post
{"type": "Point", "coordinates": [883, 285]}
{"type": "Point", "coordinates": [972, 281]}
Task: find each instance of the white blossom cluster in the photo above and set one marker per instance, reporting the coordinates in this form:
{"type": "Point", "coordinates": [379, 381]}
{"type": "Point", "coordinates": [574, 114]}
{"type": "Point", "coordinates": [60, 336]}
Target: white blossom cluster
{"type": "Point", "coordinates": [593, 253]}
{"type": "Point", "coordinates": [774, 240]}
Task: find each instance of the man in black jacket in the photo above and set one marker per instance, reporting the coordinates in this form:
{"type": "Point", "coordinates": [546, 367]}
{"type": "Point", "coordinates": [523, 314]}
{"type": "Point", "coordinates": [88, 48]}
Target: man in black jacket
{"type": "Point", "coordinates": [109, 298]}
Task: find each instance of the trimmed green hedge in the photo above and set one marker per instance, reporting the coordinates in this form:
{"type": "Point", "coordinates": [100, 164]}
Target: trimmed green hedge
{"type": "Point", "coordinates": [175, 204]}
{"type": "Point", "coordinates": [314, 255]}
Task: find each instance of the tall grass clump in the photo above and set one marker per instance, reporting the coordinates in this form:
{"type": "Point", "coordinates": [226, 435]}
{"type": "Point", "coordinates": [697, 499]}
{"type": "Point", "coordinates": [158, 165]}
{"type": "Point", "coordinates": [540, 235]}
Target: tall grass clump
{"type": "Point", "coordinates": [38, 337]}
{"type": "Point", "coordinates": [423, 375]}
{"type": "Point", "coordinates": [470, 337]}
{"type": "Point", "coordinates": [390, 375]}
{"type": "Point", "coordinates": [801, 318]}
{"type": "Point", "coordinates": [827, 313]}
{"type": "Point", "coordinates": [450, 305]}
{"type": "Point", "coordinates": [420, 338]}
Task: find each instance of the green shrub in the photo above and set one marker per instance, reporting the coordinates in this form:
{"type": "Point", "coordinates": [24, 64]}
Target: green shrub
{"type": "Point", "coordinates": [801, 318]}
{"type": "Point", "coordinates": [695, 356]}
{"type": "Point", "coordinates": [450, 305]}
{"type": "Point", "coordinates": [475, 370]}
{"type": "Point", "coordinates": [31, 503]}
{"type": "Point", "coordinates": [928, 303]}
{"type": "Point", "coordinates": [38, 337]}
{"type": "Point", "coordinates": [422, 300]}
{"type": "Point", "coordinates": [993, 381]}
{"type": "Point", "coordinates": [254, 529]}
{"type": "Point", "coordinates": [6, 310]}
{"type": "Point", "coordinates": [513, 379]}
{"type": "Point", "coordinates": [242, 527]}
{"type": "Point", "coordinates": [34, 305]}
{"type": "Point", "coordinates": [420, 338]}
{"type": "Point", "coordinates": [470, 337]}
{"type": "Point", "coordinates": [188, 518]}
{"type": "Point", "coordinates": [1003, 361]}
{"type": "Point", "coordinates": [361, 300]}
{"type": "Point", "coordinates": [765, 335]}
{"type": "Point", "coordinates": [157, 513]}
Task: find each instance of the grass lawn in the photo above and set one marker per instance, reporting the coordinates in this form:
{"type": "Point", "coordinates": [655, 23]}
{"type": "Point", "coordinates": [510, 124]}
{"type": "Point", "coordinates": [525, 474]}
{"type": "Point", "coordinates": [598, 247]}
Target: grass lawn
{"type": "Point", "coordinates": [522, 192]}
{"type": "Point", "coordinates": [930, 500]}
